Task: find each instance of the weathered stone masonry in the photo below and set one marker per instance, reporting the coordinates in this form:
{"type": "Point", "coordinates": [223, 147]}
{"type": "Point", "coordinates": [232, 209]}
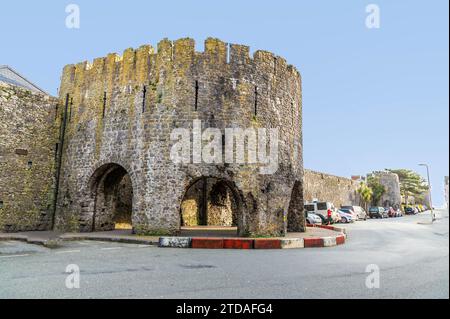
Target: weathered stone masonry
{"type": "Point", "coordinates": [391, 183]}
{"type": "Point", "coordinates": [123, 109]}
{"type": "Point", "coordinates": [27, 158]}
{"type": "Point", "coordinates": [324, 187]}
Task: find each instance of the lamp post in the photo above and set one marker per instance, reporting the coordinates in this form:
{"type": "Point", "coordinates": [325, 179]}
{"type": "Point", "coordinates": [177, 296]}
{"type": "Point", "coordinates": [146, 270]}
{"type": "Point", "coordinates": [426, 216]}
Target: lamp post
{"type": "Point", "coordinates": [429, 191]}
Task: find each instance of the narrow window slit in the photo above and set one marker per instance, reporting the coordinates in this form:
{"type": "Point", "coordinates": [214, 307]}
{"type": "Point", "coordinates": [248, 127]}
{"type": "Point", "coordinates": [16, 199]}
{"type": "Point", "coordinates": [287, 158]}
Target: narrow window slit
{"type": "Point", "coordinates": [144, 93]}
{"type": "Point", "coordinates": [70, 110]}
{"type": "Point", "coordinates": [30, 164]}
{"type": "Point", "coordinates": [104, 105]}
{"type": "Point", "coordinates": [196, 95]}
{"type": "Point", "coordinates": [1, 204]}
{"type": "Point", "coordinates": [223, 144]}
{"type": "Point", "coordinates": [56, 150]}
{"type": "Point", "coordinates": [256, 100]}
{"type": "Point", "coordinates": [56, 111]}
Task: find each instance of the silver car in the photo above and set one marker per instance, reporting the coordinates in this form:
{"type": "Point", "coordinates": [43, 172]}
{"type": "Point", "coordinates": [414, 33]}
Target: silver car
{"type": "Point", "coordinates": [313, 219]}
{"type": "Point", "coordinates": [360, 212]}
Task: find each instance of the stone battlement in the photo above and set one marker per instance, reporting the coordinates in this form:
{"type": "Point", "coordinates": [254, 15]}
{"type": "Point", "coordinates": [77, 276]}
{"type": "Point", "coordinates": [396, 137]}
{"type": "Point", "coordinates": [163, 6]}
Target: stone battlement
{"type": "Point", "coordinates": [134, 66]}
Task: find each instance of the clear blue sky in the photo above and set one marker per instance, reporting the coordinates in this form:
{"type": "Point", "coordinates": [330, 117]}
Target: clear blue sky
{"type": "Point", "coordinates": [373, 98]}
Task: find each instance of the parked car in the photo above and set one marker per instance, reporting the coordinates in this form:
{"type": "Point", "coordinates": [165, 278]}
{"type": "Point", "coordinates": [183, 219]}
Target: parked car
{"type": "Point", "coordinates": [325, 210]}
{"type": "Point", "coordinates": [391, 212]}
{"type": "Point", "coordinates": [409, 211]}
{"type": "Point", "coordinates": [350, 212]}
{"type": "Point", "coordinates": [360, 212]}
{"type": "Point", "coordinates": [313, 219]}
{"type": "Point", "coordinates": [346, 217]}
{"type": "Point", "coordinates": [377, 212]}
{"type": "Point", "coordinates": [398, 213]}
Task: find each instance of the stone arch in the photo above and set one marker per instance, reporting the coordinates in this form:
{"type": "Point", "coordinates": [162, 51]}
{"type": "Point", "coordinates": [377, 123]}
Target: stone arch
{"type": "Point", "coordinates": [111, 197]}
{"type": "Point", "coordinates": [212, 201]}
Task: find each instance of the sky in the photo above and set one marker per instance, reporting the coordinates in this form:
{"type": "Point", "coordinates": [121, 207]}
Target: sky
{"type": "Point", "coordinates": [373, 98]}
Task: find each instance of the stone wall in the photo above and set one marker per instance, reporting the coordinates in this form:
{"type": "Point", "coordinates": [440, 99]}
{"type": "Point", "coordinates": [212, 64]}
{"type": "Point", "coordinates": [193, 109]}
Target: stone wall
{"type": "Point", "coordinates": [391, 183]}
{"type": "Point", "coordinates": [27, 158]}
{"type": "Point", "coordinates": [324, 187]}
{"type": "Point", "coordinates": [124, 108]}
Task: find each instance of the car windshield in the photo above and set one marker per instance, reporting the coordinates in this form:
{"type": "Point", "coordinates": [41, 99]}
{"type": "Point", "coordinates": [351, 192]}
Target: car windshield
{"type": "Point", "coordinates": [322, 206]}
{"type": "Point", "coordinates": [373, 209]}
{"type": "Point", "coordinates": [309, 208]}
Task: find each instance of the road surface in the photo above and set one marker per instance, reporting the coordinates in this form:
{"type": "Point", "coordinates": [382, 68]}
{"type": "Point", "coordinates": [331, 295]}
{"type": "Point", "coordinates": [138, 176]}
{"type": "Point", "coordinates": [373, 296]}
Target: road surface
{"type": "Point", "coordinates": [412, 258]}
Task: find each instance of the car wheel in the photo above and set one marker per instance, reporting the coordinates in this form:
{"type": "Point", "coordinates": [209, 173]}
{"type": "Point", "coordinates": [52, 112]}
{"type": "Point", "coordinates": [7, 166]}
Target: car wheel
{"type": "Point", "coordinates": [344, 220]}
{"type": "Point", "coordinates": [324, 222]}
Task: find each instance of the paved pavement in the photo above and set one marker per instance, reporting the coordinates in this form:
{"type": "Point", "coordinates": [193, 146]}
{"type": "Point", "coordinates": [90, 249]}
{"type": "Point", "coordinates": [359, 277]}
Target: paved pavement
{"type": "Point", "coordinates": [413, 260]}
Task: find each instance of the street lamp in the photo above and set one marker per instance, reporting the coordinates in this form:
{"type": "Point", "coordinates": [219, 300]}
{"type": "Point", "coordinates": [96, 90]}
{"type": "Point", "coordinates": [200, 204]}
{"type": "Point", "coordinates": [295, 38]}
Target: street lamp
{"type": "Point", "coordinates": [429, 191]}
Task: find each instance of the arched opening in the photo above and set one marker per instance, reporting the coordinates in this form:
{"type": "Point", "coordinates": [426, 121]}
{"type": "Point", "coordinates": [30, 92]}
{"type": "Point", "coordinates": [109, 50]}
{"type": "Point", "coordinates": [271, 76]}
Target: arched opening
{"type": "Point", "coordinates": [212, 204]}
{"type": "Point", "coordinates": [112, 192]}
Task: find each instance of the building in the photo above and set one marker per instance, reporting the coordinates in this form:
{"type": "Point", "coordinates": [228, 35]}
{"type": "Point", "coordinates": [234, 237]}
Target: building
{"type": "Point", "coordinates": [12, 77]}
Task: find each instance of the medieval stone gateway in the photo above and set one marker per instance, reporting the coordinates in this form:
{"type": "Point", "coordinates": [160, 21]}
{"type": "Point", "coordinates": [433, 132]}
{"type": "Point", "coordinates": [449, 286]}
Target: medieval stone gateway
{"type": "Point", "coordinates": [119, 113]}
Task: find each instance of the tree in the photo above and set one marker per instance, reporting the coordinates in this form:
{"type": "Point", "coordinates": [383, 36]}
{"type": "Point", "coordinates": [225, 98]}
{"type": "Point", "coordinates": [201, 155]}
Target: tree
{"type": "Point", "coordinates": [365, 193]}
{"type": "Point", "coordinates": [373, 182]}
{"type": "Point", "coordinates": [411, 183]}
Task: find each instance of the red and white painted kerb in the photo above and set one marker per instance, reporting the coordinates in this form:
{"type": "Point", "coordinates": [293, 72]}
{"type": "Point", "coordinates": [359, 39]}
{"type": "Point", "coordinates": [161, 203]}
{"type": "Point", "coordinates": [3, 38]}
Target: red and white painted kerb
{"type": "Point", "coordinates": [255, 243]}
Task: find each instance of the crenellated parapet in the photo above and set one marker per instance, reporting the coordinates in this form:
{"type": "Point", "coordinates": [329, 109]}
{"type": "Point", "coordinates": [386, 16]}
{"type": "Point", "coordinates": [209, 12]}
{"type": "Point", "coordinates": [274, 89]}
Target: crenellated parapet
{"type": "Point", "coordinates": [137, 67]}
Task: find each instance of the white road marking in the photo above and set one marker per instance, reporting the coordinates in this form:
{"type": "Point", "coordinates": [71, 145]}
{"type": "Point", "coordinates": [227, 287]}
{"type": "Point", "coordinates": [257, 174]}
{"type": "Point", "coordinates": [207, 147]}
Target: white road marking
{"type": "Point", "coordinates": [12, 256]}
{"type": "Point", "coordinates": [111, 248]}
{"type": "Point", "coordinates": [67, 252]}
{"type": "Point", "coordinates": [84, 243]}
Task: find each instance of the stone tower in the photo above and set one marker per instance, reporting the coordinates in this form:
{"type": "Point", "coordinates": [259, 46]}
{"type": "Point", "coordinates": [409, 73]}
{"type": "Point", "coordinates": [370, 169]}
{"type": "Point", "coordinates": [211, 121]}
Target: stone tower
{"type": "Point", "coordinates": [391, 183]}
{"type": "Point", "coordinates": [116, 120]}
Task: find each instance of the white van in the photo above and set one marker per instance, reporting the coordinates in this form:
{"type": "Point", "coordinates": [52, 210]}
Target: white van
{"type": "Point", "coordinates": [325, 210]}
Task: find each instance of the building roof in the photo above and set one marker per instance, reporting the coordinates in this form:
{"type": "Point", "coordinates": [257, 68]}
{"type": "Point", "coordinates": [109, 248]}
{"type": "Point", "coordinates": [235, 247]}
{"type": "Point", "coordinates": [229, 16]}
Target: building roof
{"type": "Point", "coordinates": [9, 75]}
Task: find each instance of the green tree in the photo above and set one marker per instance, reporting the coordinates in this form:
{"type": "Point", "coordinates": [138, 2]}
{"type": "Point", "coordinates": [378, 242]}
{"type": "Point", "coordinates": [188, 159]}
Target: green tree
{"type": "Point", "coordinates": [411, 184]}
{"type": "Point", "coordinates": [373, 182]}
{"type": "Point", "coordinates": [365, 194]}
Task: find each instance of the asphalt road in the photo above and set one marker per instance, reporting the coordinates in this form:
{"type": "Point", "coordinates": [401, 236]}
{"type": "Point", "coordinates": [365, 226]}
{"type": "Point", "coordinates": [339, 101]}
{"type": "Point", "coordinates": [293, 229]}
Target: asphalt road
{"type": "Point", "coordinates": [413, 260]}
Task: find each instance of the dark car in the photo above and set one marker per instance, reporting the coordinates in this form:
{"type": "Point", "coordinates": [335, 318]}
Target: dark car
{"type": "Point", "coordinates": [377, 212]}
{"type": "Point", "coordinates": [410, 211]}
